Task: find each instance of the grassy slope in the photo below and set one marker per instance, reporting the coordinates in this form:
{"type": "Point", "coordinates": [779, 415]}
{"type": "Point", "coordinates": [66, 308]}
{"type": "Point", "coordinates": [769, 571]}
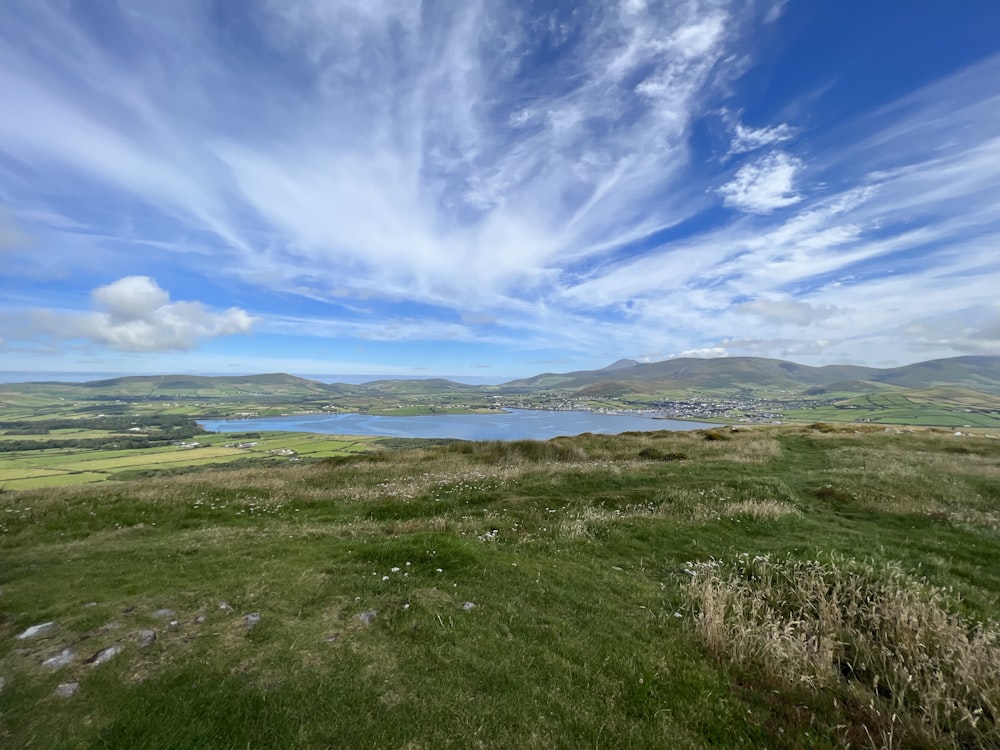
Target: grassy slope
{"type": "Point", "coordinates": [573, 552]}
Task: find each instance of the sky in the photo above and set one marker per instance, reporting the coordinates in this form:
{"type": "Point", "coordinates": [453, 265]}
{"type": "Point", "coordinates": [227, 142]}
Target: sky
{"type": "Point", "coordinates": [489, 189]}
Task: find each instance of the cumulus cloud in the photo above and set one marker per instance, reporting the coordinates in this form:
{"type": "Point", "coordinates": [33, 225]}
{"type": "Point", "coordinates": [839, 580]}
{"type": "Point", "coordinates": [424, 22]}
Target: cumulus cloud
{"type": "Point", "coordinates": [764, 185]}
{"type": "Point", "coordinates": [133, 314]}
{"type": "Point", "coordinates": [705, 352]}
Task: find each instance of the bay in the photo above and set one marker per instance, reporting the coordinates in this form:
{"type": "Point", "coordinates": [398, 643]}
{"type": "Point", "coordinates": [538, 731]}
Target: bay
{"type": "Point", "coordinates": [514, 424]}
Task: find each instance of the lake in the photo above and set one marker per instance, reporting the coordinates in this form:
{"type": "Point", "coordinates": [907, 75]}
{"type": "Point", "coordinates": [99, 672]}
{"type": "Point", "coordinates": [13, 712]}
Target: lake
{"type": "Point", "coordinates": [516, 424]}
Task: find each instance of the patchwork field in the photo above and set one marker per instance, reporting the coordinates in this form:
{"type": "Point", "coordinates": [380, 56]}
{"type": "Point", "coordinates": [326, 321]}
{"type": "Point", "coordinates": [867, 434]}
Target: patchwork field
{"type": "Point", "coordinates": [52, 467]}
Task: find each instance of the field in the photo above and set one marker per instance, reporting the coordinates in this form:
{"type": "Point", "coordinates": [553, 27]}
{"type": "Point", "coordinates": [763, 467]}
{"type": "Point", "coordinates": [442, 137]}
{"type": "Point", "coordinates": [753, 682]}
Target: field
{"type": "Point", "coordinates": [788, 587]}
{"type": "Point", "coordinates": [939, 407]}
{"type": "Point", "coordinates": [52, 467]}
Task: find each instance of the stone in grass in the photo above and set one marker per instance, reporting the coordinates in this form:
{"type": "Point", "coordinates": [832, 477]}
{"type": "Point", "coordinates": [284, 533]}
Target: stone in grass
{"type": "Point", "coordinates": [466, 606]}
{"type": "Point", "coordinates": [105, 655]}
{"type": "Point", "coordinates": [67, 689]}
{"type": "Point", "coordinates": [163, 614]}
{"type": "Point", "coordinates": [37, 631]}
{"type": "Point", "coordinates": [225, 606]}
{"type": "Point", "coordinates": [368, 617]}
{"type": "Point", "coordinates": [64, 657]}
{"type": "Point", "coordinates": [146, 638]}
{"type": "Point", "coordinates": [251, 620]}
{"type": "Point", "coordinates": [200, 620]}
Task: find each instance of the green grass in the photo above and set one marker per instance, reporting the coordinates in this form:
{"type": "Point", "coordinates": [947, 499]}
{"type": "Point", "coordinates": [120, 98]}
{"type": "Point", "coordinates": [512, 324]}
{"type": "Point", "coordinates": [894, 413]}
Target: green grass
{"type": "Point", "coordinates": [28, 469]}
{"type": "Point", "coordinates": [575, 552]}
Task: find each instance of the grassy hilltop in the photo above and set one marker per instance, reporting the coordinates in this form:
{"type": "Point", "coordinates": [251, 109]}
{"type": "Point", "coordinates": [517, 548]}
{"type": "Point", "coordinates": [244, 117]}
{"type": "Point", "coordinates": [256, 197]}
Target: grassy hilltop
{"type": "Point", "coordinates": [785, 587]}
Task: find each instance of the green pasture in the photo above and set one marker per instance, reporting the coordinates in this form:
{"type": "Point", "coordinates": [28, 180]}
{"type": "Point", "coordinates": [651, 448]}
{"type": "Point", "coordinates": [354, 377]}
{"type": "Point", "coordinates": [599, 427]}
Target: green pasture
{"type": "Point", "coordinates": [512, 595]}
{"type": "Point", "coordinates": [64, 466]}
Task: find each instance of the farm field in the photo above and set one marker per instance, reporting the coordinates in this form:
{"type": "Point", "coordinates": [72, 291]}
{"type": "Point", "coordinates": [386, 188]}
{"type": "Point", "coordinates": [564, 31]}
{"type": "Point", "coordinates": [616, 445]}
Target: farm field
{"type": "Point", "coordinates": [30, 469]}
{"type": "Point", "coordinates": [944, 408]}
{"type": "Point", "coordinates": [779, 587]}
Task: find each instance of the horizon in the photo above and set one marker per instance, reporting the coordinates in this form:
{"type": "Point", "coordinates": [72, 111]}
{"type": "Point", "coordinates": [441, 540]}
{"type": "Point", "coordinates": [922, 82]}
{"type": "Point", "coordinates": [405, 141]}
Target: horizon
{"type": "Point", "coordinates": [14, 376]}
{"type": "Point", "coordinates": [497, 189]}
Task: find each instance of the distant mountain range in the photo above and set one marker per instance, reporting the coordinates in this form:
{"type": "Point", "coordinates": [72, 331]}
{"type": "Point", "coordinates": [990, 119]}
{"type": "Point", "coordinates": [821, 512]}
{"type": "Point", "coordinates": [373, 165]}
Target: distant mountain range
{"type": "Point", "coordinates": [733, 373]}
{"type": "Point", "coordinates": [624, 376]}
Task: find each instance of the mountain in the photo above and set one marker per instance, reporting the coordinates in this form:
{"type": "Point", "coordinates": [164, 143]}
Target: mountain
{"type": "Point", "coordinates": [427, 386]}
{"type": "Point", "coordinates": [730, 374]}
{"type": "Point", "coordinates": [621, 364]}
{"type": "Point", "coordinates": [977, 373]}
{"type": "Point", "coordinates": [735, 373]}
{"type": "Point", "coordinates": [175, 386]}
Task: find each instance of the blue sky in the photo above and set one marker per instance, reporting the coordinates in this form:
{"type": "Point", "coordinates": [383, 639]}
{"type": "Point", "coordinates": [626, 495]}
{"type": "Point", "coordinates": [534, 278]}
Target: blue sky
{"type": "Point", "coordinates": [495, 189]}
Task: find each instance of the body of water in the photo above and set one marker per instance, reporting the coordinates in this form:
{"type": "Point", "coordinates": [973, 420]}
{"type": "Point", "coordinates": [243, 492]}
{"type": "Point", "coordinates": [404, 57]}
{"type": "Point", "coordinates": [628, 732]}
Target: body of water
{"type": "Point", "coordinates": [516, 424]}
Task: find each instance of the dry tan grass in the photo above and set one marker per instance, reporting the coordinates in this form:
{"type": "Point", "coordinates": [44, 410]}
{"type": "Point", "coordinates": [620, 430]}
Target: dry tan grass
{"type": "Point", "coordinates": [763, 510]}
{"type": "Point", "coordinates": [888, 641]}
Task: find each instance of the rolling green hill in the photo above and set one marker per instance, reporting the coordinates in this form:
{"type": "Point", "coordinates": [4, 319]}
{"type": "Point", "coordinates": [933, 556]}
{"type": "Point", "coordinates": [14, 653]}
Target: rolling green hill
{"type": "Point", "coordinates": [978, 373]}
{"type": "Point", "coordinates": [186, 386]}
{"type": "Point", "coordinates": [783, 588]}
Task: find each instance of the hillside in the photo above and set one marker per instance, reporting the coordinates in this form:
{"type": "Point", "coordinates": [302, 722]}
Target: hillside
{"type": "Point", "coordinates": [725, 373]}
{"type": "Point", "coordinates": [645, 590]}
{"type": "Point", "coordinates": [175, 386]}
{"type": "Point", "coordinates": [733, 373]}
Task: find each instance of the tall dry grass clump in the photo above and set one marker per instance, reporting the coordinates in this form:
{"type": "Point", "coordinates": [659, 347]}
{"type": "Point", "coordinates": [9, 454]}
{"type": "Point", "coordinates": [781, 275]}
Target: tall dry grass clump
{"type": "Point", "coordinates": [879, 639]}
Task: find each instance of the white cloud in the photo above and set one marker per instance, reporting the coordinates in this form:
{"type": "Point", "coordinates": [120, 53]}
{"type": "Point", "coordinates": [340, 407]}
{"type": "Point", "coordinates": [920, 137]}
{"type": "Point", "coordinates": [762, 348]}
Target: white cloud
{"type": "Point", "coordinates": [746, 139]}
{"type": "Point", "coordinates": [786, 311]}
{"type": "Point", "coordinates": [706, 352]}
{"type": "Point", "coordinates": [133, 315]}
{"type": "Point", "coordinates": [975, 330]}
{"type": "Point", "coordinates": [394, 154]}
{"type": "Point", "coordinates": [765, 185]}
{"type": "Point", "coordinates": [131, 298]}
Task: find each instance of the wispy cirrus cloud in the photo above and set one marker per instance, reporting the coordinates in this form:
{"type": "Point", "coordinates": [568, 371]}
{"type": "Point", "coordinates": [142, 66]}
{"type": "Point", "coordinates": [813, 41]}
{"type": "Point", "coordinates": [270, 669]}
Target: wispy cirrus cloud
{"type": "Point", "coordinates": [746, 138]}
{"type": "Point", "coordinates": [491, 172]}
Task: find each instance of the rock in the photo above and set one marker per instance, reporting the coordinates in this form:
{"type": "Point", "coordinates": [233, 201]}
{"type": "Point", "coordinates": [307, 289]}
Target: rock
{"type": "Point", "coordinates": [173, 625]}
{"type": "Point", "coordinates": [67, 689]}
{"type": "Point", "coordinates": [200, 620]}
{"type": "Point", "coordinates": [367, 618]}
{"type": "Point", "coordinates": [468, 605]}
{"type": "Point", "coordinates": [105, 655]}
{"type": "Point", "coordinates": [88, 605]}
{"type": "Point", "coordinates": [37, 631]}
{"type": "Point", "coordinates": [163, 614]}
{"type": "Point", "coordinates": [330, 639]}
{"type": "Point", "coordinates": [251, 620]}
{"type": "Point", "coordinates": [146, 638]}
{"type": "Point", "coordinates": [64, 657]}
{"type": "Point", "coordinates": [225, 606]}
